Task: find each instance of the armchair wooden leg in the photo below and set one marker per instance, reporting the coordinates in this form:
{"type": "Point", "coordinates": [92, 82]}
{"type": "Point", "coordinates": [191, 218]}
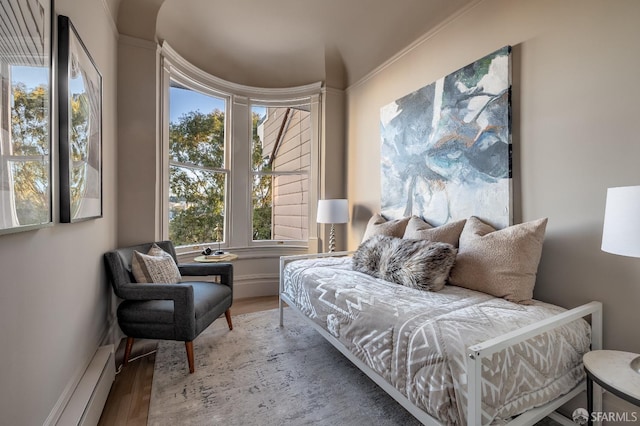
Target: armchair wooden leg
{"type": "Point", "coordinates": [227, 314]}
{"type": "Point", "coordinates": [189, 346]}
{"type": "Point", "coordinates": [127, 350]}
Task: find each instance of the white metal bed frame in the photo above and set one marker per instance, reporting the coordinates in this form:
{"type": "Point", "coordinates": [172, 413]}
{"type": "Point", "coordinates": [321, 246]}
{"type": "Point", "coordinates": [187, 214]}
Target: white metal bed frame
{"type": "Point", "coordinates": [476, 354]}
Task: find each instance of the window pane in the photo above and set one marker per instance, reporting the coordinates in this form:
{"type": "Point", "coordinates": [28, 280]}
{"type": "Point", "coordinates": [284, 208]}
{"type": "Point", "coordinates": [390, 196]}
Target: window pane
{"type": "Point", "coordinates": [262, 207]}
{"type": "Point", "coordinates": [24, 145]}
{"type": "Point", "coordinates": [281, 158]}
{"type": "Point", "coordinates": [196, 128]}
{"type": "Point", "coordinates": [280, 207]}
{"type": "Point", "coordinates": [281, 138]}
{"type": "Point", "coordinates": [29, 125]}
{"type": "Point", "coordinates": [30, 190]}
{"type": "Point", "coordinates": [196, 205]}
{"type": "Point", "coordinates": [197, 175]}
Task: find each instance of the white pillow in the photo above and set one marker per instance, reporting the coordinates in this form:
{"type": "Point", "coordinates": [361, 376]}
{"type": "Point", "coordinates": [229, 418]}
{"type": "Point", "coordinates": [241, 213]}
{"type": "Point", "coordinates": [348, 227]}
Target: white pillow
{"type": "Point", "coordinates": [157, 266]}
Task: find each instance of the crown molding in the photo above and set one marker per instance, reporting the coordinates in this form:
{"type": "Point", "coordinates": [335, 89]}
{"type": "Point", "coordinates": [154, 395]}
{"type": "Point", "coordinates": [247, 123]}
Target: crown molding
{"type": "Point", "coordinates": [190, 71]}
{"type": "Point", "coordinates": [138, 42]}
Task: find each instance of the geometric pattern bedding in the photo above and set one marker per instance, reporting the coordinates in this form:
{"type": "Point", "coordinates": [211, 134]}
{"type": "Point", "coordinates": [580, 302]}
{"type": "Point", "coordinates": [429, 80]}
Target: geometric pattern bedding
{"type": "Point", "coordinates": [417, 340]}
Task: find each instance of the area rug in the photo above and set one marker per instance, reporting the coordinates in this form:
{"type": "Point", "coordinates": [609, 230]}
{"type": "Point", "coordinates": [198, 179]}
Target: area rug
{"type": "Point", "coordinates": [261, 374]}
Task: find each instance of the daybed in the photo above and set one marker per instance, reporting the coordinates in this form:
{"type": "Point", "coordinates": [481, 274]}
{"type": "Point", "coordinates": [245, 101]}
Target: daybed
{"type": "Point", "coordinates": [454, 356]}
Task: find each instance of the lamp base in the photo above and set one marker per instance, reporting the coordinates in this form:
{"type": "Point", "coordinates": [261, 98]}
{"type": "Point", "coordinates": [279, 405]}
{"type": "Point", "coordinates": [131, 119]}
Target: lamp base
{"type": "Point", "coordinates": [635, 364]}
{"type": "Point", "coordinates": [332, 239]}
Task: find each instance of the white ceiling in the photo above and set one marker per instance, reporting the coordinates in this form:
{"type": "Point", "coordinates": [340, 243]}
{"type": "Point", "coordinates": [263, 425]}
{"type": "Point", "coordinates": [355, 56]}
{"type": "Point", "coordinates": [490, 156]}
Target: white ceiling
{"type": "Point", "coordinates": [287, 42]}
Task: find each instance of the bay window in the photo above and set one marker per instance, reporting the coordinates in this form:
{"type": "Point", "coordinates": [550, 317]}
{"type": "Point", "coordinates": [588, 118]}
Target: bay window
{"type": "Point", "coordinates": [238, 161]}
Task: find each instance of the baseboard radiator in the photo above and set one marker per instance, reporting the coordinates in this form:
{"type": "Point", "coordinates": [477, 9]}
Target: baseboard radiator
{"type": "Point", "coordinates": [87, 401]}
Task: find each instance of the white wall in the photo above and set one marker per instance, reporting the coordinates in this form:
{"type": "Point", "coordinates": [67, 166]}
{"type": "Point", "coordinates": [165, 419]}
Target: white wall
{"type": "Point", "coordinates": [53, 292]}
{"type": "Point", "coordinates": [575, 133]}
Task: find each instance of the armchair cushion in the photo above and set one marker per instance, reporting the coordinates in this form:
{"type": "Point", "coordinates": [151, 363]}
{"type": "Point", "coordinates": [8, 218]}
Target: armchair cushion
{"type": "Point", "coordinates": [207, 296]}
{"type": "Point", "coordinates": [157, 266]}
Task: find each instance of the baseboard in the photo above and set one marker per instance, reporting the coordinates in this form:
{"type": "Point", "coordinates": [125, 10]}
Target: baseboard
{"type": "Point", "coordinates": [86, 400]}
{"type": "Point", "coordinates": [255, 285]}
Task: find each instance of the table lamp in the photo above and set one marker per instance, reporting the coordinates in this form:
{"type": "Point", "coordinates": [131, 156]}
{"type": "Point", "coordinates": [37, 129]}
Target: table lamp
{"type": "Point", "coordinates": [333, 211]}
{"type": "Point", "coordinates": [621, 230]}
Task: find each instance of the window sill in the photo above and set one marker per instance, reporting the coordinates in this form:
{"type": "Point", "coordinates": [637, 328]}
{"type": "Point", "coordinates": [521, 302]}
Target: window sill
{"type": "Point", "coordinates": [262, 252]}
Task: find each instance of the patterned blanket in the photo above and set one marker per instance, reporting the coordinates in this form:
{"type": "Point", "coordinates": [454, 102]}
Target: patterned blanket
{"type": "Point", "coordinates": [417, 340]}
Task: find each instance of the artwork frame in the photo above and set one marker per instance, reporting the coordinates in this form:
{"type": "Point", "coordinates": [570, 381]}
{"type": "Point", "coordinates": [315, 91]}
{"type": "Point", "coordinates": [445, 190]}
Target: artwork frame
{"type": "Point", "coordinates": [26, 77]}
{"type": "Point", "coordinates": [446, 149]}
{"type": "Point", "coordinates": [80, 127]}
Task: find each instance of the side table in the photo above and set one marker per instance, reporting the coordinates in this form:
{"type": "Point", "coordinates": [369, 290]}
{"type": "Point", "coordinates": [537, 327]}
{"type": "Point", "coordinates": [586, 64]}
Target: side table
{"type": "Point", "coordinates": [611, 370]}
{"type": "Point", "coordinates": [227, 257]}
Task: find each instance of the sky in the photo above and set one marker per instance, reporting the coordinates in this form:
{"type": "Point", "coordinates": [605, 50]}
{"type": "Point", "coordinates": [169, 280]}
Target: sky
{"type": "Point", "coordinates": [182, 101]}
{"type": "Point", "coordinates": [30, 76]}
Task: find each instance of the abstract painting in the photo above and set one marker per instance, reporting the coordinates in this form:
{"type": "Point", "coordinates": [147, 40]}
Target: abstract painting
{"type": "Point", "coordinates": [80, 127]}
{"type": "Point", "coordinates": [446, 148]}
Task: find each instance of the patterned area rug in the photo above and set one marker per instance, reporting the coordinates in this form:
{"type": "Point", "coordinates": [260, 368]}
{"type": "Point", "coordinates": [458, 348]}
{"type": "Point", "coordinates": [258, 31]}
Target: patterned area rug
{"type": "Point", "coordinates": [261, 374]}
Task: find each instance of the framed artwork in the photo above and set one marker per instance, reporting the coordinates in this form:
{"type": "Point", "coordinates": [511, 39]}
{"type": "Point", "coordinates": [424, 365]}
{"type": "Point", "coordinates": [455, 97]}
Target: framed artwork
{"type": "Point", "coordinates": [25, 115]}
{"type": "Point", "coordinates": [446, 148]}
{"type": "Point", "coordinates": [80, 126]}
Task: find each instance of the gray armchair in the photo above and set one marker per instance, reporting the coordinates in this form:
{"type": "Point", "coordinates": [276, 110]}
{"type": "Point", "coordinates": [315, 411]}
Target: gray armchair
{"type": "Point", "coordinates": [168, 311]}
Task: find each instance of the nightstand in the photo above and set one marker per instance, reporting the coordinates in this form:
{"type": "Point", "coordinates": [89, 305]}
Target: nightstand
{"type": "Point", "coordinates": [611, 370]}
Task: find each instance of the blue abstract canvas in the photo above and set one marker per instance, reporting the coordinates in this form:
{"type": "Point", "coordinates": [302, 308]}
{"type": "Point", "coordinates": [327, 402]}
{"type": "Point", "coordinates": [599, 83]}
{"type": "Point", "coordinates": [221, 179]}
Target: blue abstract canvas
{"type": "Point", "coordinates": [446, 148]}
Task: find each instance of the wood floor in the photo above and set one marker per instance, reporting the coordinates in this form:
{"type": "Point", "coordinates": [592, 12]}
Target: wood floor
{"type": "Point", "coordinates": [128, 401]}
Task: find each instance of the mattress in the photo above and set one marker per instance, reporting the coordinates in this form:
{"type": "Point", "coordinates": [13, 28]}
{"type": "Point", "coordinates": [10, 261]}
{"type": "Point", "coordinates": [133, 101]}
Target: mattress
{"type": "Point", "coordinates": [417, 340]}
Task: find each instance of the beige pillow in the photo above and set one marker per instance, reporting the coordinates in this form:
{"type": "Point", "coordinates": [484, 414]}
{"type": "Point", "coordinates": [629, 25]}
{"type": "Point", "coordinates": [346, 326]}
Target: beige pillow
{"type": "Point", "coordinates": [378, 225]}
{"type": "Point", "coordinates": [157, 266]}
{"type": "Point", "coordinates": [418, 229]}
{"type": "Point", "coordinates": [503, 263]}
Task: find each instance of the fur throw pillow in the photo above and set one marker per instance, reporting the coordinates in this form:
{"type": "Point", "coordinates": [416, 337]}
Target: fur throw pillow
{"type": "Point", "coordinates": [419, 264]}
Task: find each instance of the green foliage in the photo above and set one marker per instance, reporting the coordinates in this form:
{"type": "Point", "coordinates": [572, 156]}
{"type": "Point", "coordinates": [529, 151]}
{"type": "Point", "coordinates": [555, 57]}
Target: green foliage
{"type": "Point", "coordinates": [262, 184]}
{"type": "Point", "coordinates": [29, 138]}
{"type": "Point", "coordinates": [198, 182]}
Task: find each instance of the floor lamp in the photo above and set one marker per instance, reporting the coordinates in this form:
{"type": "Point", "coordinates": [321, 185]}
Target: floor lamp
{"type": "Point", "coordinates": [333, 211]}
{"type": "Point", "coordinates": [621, 230]}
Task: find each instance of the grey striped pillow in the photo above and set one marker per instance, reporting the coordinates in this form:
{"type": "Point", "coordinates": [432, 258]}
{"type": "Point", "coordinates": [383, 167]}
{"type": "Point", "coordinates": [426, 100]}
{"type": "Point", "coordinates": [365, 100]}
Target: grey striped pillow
{"type": "Point", "coordinates": [157, 266]}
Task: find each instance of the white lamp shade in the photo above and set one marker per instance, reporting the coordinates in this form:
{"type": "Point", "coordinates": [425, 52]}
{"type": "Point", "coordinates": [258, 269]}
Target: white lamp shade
{"type": "Point", "coordinates": [621, 231]}
{"type": "Point", "coordinates": [333, 211]}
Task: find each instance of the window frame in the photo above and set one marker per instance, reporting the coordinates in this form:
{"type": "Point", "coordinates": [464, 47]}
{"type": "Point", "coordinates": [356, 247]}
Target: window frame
{"type": "Point", "coordinates": [186, 84]}
{"type": "Point", "coordinates": [238, 228]}
{"type": "Point", "coordinates": [300, 102]}
{"type": "Point", "coordinates": [195, 86]}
